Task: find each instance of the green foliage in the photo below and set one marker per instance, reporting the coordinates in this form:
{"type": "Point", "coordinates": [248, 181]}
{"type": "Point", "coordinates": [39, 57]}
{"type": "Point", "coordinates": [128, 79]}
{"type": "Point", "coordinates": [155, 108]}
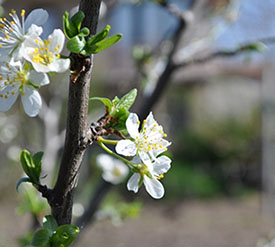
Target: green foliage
{"type": "Point", "coordinates": [101, 45]}
{"type": "Point", "coordinates": [54, 236]}
{"type": "Point", "coordinates": [71, 26]}
{"type": "Point", "coordinates": [49, 223]}
{"type": "Point", "coordinates": [25, 240]}
{"type": "Point", "coordinates": [77, 37]}
{"type": "Point", "coordinates": [30, 201]}
{"type": "Point", "coordinates": [31, 166]}
{"type": "Point", "coordinates": [42, 238]}
{"type": "Point", "coordinates": [118, 109]}
{"type": "Point", "coordinates": [64, 235]}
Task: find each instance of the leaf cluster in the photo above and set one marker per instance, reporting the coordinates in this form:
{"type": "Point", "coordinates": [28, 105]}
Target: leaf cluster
{"type": "Point", "coordinates": [118, 109]}
{"type": "Point", "coordinates": [78, 37]}
{"type": "Point", "coordinates": [53, 235]}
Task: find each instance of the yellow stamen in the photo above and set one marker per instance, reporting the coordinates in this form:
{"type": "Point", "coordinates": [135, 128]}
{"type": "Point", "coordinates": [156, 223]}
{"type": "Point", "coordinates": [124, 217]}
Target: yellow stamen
{"type": "Point", "coordinates": [23, 12]}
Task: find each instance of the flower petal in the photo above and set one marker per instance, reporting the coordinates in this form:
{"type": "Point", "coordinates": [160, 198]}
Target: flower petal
{"type": "Point", "coordinates": [34, 31]}
{"type": "Point", "coordinates": [133, 182]}
{"type": "Point", "coordinates": [37, 78]}
{"type": "Point", "coordinates": [154, 187]}
{"type": "Point", "coordinates": [126, 147]}
{"type": "Point", "coordinates": [60, 65]}
{"type": "Point", "coordinates": [145, 157]}
{"type": "Point", "coordinates": [31, 101]}
{"type": "Point", "coordinates": [162, 165]}
{"type": "Point", "coordinates": [105, 162]}
{"type": "Point", "coordinates": [162, 145]}
{"type": "Point", "coordinates": [6, 103]}
{"type": "Point", "coordinates": [132, 125]}
{"type": "Point", "coordinates": [56, 39]}
{"type": "Point", "coordinates": [37, 16]}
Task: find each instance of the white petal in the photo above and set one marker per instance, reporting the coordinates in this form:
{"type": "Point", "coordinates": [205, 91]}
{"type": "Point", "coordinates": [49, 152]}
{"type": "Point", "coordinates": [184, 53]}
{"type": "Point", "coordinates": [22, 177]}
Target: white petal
{"type": "Point", "coordinates": [31, 101]}
{"type": "Point", "coordinates": [133, 182]}
{"type": "Point", "coordinates": [39, 79]}
{"type": "Point", "coordinates": [34, 31]}
{"type": "Point", "coordinates": [126, 148]}
{"type": "Point", "coordinates": [164, 144]}
{"type": "Point", "coordinates": [149, 120]}
{"type": "Point", "coordinates": [56, 39]}
{"type": "Point", "coordinates": [145, 158]}
{"type": "Point", "coordinates": [132, 125]}
{"type": "Point", "coordinates": [37, 16]}
{"type": "Point", "coordinates": [60, 65]}
{"type": "Point", "coordinates": [105, 162]}
{"type": "Point", "coordinates": [162, 165]}
{"type": "Point", "coordinates": [154, 187]}
{"type": "Point", "coordinates": [6, 103]}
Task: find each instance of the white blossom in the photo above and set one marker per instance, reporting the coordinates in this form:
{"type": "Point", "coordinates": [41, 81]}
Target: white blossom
{"type": "Point", "coordinates": [148, 143]}
{"type": "Point", "coordinates": [14, 81]}
{"type": "Point", "coordinates": [150, 173]}
{"type": "Point", "coordinates": [44, 55]}
{"type": "Point", "coordinates": [114, 170]}
{"type": "Point", "coordinates": [14, 32]}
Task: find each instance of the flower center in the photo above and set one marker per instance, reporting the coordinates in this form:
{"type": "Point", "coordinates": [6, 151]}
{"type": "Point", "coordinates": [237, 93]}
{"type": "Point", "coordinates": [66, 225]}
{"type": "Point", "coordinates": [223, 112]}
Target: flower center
{"type": "Point", "coordinates": [42, 55]}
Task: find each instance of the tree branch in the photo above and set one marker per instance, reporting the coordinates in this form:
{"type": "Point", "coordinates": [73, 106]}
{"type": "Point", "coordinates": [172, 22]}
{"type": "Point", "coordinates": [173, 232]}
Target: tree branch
{"type": "Point", "coordinates": [78, 132]}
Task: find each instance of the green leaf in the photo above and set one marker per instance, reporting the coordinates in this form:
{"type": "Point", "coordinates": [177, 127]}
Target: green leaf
{"type": "Point", "coordinates": [23, 180]}
{"type": "Point", "coordinates": [127, 100]}
{"type": "Point", "coordinates": [27, 163]}
{"type": "Point", "coordinates": [84, 32]}
{"type": "Point", "coordinates": [99, 36]}
{"type": "Point", "coordinates": [64, 235]}
{"type": "Point", "coordinates": [76, 44]}
{"type": "Point", "coordinates": [31, 168]}
{"type": "Point", "coordinates": [69, 28]}
{"type": "Point", "coordinates": [37, 159]}
{"type": "Point", "coordinates": [77, 19]}
{"type": "Point", "coordinates": [105, 101]}
{"type": "Point", "coordinates": [49, 222]}
{"type": "Point", "coordinates": [42, 238]}
{"type": "Point", "coordinates": [115, 100]}
{"type": "Point", "coordinates": [103, 44]}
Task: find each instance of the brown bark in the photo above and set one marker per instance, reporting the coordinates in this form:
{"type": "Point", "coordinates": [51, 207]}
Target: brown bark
{"type": "Point", "coordinates": [78, 132]}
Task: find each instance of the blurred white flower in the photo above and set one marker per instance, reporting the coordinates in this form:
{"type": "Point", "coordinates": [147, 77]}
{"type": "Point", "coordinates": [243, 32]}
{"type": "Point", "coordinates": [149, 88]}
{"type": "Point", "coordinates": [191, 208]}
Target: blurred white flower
{"type": "Point", "coordinates": [148, 143]}
{"type": "Point", "coordinates": [150, 174]}
{"type": "Point", "coordinates": [15, 80]}
{"type": "Point", "coordinates": [114, 170]}
{"type": "Point", "coordinates": [44, 55]}
{"type": "Point", "coordinates": [14, 32]}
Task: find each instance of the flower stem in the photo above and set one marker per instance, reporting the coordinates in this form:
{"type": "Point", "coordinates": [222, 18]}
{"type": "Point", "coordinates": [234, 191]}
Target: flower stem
{"type": "Point", "coordinates": [111, 142]}
{"type": "Point", "coordinates": [116, 155]}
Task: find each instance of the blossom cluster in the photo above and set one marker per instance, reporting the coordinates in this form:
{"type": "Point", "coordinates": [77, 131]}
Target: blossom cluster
{"type": "Point", "coordinates": [146, 147]}
{"type": "Point", "coordinates": [25, 59]}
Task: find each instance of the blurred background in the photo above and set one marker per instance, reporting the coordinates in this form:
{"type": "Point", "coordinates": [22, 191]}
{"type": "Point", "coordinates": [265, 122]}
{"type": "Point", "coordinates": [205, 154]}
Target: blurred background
{"type": "Point", "coordinates": [219, 115]}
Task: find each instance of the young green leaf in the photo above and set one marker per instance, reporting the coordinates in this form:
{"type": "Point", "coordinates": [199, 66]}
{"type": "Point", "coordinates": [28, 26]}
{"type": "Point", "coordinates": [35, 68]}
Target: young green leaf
{"type": "Point", "coordinates": [22, 180]}
{"type": "Point", "coordinates": [76, 44]}
{"type": "Point", "coordinates": [115, 100]}
{"type": "Point", "coordinates": [49, 223]}
{"type": "Point", "coordinates": [84, 32]}
{"type": "Point", "coordinates": [42, 238]}
{"type": "Point", "coordinates": [27, 163]}
{"type": "Point", "coordinates": [105, 101]}
{"type": "Point", "coordinates": [127, 100]}
{"type": "Point", "coordinates": [77, 19]}
{"type": "Point", "coordinates": [99, 36]}
{"type": "Point", "coordinates": [69, 28]}
{"type": "Point", "coordinates": [103, 44]}
{"type": "Point", "coordinates": [64, 235]}
{"type": "Point", "coordinates": [37, 160]}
